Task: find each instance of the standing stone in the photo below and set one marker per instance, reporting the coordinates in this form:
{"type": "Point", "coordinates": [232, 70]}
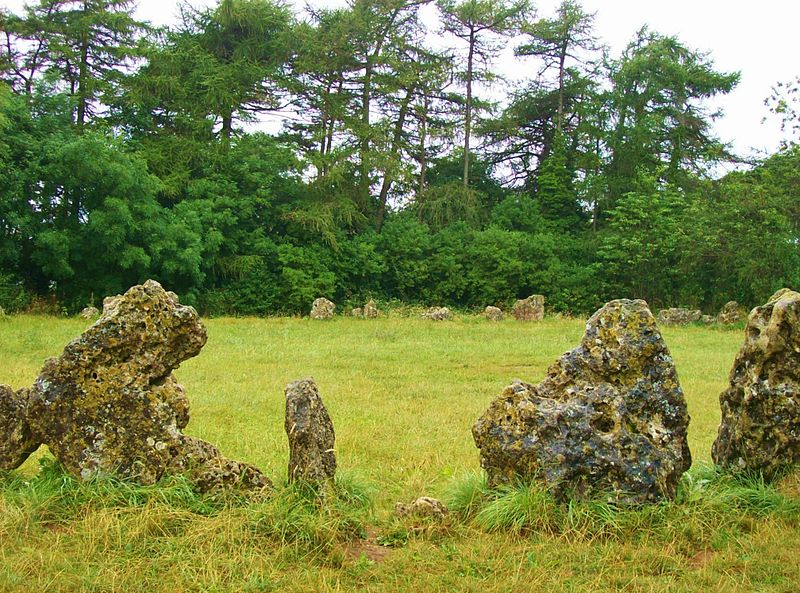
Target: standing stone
{"type": "Point", "coordinates": [530, 309]}
{"type": "Point", "coordinates": [17, 441]}
{"type": "Point", "coordinates": [760, 427]}
{"type": "Point", "coordinates": [493, 313]}
{"type": "Point", "coordinates": [437, 314]}
{"type": "Point", "coordinates": [609, 417]}
{"type": "Point", "coordinates": [89, 313]}
{"type": "Point", "coordinates": [370, 310]}
{"type": "Point", "coordinates": [731, 312]}
{"type": "Point", "coordinates": [322, 308]}
{"type": "Point", "coordinates": [109, 405]}
{"type": "Point", "coordinates": [679, 316]}
{"type": "Point", "coordinates": [310, 432]}
{"type": "Point", "coordinates": [357, 312]}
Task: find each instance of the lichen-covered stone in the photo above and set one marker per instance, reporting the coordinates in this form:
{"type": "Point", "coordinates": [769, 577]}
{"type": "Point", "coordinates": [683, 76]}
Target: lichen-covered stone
{"type": "Point", "coordinates": [322, 308]}
{"type": "Point", "coordinates": [530, 309]}
{"type": "Point", "coordinates": [493, 313]}
{"type": "Point", "coordinates": [357, 312]}
{"type": "Point", "coordinates": [708, 320]}
{"type": "Point", "coordinates": [209, 470]}
{"type": "Point", "coordinates": [731, 312]}
{"type": "Point", "coordinates": [310, 433]}
{"type": "Point", "coordinates": [371, 309]}
{"type": "Point", "coordinates": [424, 506]}
{"type": "Point", "coordinates": [89, 313]}
{"type": "Point", "coordinates": [437, 314]}
{"type": "Point", "coordinates": [609, 417]}
{"type": "Point", "coordinates": [760, 427]}
{"type": "Point", "coordinates": [679, 316]}
{"type": "Point", "coordinates": [17, 441]}
{"type": "Point", "coordinates": [110, 404]}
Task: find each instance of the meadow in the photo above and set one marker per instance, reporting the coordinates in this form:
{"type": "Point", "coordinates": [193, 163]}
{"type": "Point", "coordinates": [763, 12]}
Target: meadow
{"type": "Point", "coordinates": [403, 394]}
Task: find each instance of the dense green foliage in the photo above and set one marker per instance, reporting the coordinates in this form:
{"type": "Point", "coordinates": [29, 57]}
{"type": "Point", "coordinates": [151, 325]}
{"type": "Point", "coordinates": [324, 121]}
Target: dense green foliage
{"type": "Point", "coordinates": [129, 153]}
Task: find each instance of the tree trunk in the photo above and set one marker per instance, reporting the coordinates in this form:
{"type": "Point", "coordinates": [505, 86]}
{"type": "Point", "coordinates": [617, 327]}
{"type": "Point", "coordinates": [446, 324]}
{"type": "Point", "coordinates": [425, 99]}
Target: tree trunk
{"type": "Point", "coordinates": [468, 115]}
{"type": "Point", "coordinates": [388, 177]}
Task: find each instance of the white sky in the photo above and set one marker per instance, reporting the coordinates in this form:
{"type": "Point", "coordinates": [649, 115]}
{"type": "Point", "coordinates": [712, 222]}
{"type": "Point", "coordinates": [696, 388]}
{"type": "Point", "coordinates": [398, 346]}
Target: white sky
{"type": "Point", "coordinates": [759, 39]}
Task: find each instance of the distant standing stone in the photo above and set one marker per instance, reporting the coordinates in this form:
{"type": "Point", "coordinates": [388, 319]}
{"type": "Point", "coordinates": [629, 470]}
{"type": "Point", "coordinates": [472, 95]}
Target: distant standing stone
{"type": "Point", "coordinates": [322, 308]}
{"type": "Point", "coordinates": [357, 312]}
{"type": "Point", "coordinates": [609, 417]}
{"type": "Point", "coordinates": [731, 312]}
{"type": "Point", "coordinates": [437, 314]}
{"type": "Point", "coordinates": [708, 319]}
{"type": "Point", "coordinates": [310, 432]}
{"type": "Point", "coordinates": [493, 313]}
{"type": "Point", "coordinates": [370, 309]}
{"type": "Point", "coordinates": [89, 313]}
{"type": "Point", "coordinates": [679, 316]}
{"type": "Point", "coordinates": [530, 309]}
{"type": "Point", "coordinates": [760, 427]}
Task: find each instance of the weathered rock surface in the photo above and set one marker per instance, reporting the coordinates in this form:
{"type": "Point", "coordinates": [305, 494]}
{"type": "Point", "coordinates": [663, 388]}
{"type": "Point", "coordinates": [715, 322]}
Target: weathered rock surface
{"type": "Point", "coordinates": [17, 441]}
{"type": "Point", "coordinates": [89, 313]}
{"type": "Point", "coordinates": [708, 319]}
{"type": "Point", "coordinates": [109, 404]}
{"type": "Point", "coordinates": [437, 314]}
{"type": "Point", "coordinates": [203, 463]}
{"type": "Point", "coordinates": [731, 312]}
{"type": "Point", "coordinates": [371, 309]}
{"type": "Point", "coordinates": [760, 427]}
{"type": "Point", "coordinates": [493, 313]}
{"type": "Point", "coordinates": [310, 432]}
{"type": "Point", "coordinates": [357, 312]}
{"type": "Point", "coordinates": [609, 417]}
{"type": "Point", "coordinates": [530, 309]}
{"type": "Point", "coordinates": [424, 506]}
{"type": "Point", "coordinates": [322, 308]}
{"type": "Point", "coordinates": [679, 316]}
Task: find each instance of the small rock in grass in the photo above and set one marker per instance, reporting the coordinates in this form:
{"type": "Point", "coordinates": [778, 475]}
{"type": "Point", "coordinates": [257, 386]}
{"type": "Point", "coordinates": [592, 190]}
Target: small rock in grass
{"type": "Point", "coordinates": [437, 314]}
{"type": "Point", "coordinates": [89, 313]}
{"type": "Point", "coordinates": [424, 506]}
{"type": "Point", "coordinates": [731, 312]}
{"type": "Point", "coordinates": [679, 316]}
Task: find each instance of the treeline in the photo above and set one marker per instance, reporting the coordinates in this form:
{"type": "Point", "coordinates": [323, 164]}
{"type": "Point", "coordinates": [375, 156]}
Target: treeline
{"type": "Point", "coordinates": [128, 152]}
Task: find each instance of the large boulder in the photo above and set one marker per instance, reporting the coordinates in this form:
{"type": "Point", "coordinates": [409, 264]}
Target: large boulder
{"type": "Point", "coordinates": [437, 314]}
{"type": "Point", "coordinates": [731, 312]}
{"type": "Point", "coordinates": [530, 309]}
{"type": "Point", "coordinates": [310, 432]}
{"type": "Point", "coordinates": [760, 427]}
{"type": "Point", "coordinates": [17, 441]}
{"type": "Point", "coordinates": [679, 316]}
{"type": "Point", "coordinates": [493, 313]}
{"type": "Point", "coordinates": [109, 405]}
{"type": "Point", "coordinates": [609, 418]}
{"type": "Point", "coordinates": [322, 308]}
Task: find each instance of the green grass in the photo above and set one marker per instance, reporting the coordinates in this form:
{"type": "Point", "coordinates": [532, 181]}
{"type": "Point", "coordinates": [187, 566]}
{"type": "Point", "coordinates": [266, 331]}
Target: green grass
{"type": "Point", "coordinates": [403, 394]}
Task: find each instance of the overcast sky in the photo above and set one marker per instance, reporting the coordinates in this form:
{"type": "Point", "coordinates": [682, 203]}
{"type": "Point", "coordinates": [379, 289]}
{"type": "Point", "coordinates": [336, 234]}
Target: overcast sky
{"type": "Point", "coordinates": [758, 39]}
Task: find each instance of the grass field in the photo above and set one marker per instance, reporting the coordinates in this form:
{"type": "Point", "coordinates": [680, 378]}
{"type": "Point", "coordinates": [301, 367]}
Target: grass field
{"type": "Point", "coordinates": [403, 394]}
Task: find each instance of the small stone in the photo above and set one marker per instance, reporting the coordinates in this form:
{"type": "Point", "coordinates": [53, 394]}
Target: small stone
{"type": "Point", "coordinates": [370, 310]}
{"type": "Point", "coordinates": [357, 312]}
{"type": "Point", "coordinates": [424, 506]}
{"type": "Point", "coordinates": [310, 431]}
{"type": "Point", "coordinates": [493, 313]}
{"type": "Point", "coordinates": [17, 441]}
{"type": "Point", "coordinates": [530, 309]}
{"type": "Point", "coordinates": [437, 314]}
{"type": "Point", "coordinates": [760, 426]}
{"type": "Point", "coordinates": [322, 308]}
{"type": "Point", "coordinates": [609, 418]}
{"type": "Point", "coordinates": [89, 313]}
{"type": "Point", "coordinates": [679, 316]}
{"type": "Point", "coordinates": [731, 312]}
{"type": "Point", "coordinates": [708, 320]}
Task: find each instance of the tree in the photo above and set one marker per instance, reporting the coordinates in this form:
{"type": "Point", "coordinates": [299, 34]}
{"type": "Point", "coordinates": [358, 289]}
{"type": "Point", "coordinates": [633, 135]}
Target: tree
{"type": "Point", "coordinates": [476, 22]}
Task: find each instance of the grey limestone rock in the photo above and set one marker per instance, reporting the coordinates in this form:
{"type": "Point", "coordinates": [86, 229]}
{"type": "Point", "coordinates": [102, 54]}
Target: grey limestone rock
{"type": "Point", "coordinates": [530, 309]}
{"type": "Point", "coordinates": [310, 432]}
